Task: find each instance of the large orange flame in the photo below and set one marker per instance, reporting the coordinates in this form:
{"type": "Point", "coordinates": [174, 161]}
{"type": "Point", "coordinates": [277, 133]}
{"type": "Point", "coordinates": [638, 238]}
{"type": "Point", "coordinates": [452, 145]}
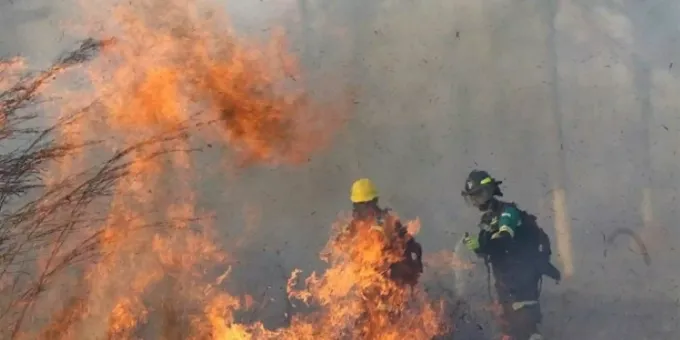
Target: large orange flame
{"type": "Point", "coordinates": [174, 81]}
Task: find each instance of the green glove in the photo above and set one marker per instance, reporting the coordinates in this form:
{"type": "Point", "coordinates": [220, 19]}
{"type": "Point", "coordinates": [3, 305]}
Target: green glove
{"type": "Point", "coordinates": [471, 242]}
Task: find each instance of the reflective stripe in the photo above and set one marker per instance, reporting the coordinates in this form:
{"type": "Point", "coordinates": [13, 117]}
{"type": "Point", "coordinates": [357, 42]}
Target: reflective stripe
{"type": "Point", "coordinates": [507, 229]}
{"type": "Point", "coordinates": [521, 304]}
{"type": "Point", "coordinates": [486, 181]}
{"type": "Point", "coordinates": [506, 214]}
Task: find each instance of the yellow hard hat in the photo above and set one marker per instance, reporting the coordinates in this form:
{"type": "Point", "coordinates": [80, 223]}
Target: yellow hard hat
{"type": "Point", "coordinates": [363, 190]}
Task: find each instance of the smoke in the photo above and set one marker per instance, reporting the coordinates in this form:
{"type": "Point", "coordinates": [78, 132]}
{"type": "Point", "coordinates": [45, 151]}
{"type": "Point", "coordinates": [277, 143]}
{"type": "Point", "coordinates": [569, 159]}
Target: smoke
{"type": "Point", "coordinates": [548, 96]}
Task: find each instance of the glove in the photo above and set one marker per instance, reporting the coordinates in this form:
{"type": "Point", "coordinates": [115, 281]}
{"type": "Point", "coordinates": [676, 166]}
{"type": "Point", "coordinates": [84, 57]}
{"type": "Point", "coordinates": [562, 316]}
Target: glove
{"type": "Point", "coordinates": [471, 242]}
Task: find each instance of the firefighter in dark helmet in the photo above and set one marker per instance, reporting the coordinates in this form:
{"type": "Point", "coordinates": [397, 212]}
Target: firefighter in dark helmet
{"type": "Point", "coordinates": [517, 251]}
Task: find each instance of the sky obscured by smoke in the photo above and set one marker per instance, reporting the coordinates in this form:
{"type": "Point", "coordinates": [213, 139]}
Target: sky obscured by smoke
{"type": "Point", "coordinates": [552, 97]}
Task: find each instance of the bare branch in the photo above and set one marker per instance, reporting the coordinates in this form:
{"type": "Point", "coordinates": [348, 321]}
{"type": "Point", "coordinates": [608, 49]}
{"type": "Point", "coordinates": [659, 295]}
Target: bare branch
{"type": "Point", "coordinates": [35, 216]}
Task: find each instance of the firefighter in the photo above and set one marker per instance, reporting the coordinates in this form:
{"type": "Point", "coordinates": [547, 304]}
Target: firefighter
{"type": "Point", "coordinates": [364, 196]}
{"type": "Point", "coordinates": [373, 228]}
{"type": "Point", "coordinates": [517, 251]}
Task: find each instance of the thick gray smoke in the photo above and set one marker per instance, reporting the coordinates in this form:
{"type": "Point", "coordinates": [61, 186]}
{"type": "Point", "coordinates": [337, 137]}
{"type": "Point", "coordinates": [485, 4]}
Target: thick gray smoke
{"type": "Point", "coordinates": [573, 104]}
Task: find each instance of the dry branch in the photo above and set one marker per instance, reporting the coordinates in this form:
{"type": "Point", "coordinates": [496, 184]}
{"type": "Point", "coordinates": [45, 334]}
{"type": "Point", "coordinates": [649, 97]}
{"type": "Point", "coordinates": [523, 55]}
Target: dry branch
{"type": "Point", "coordinates": [35, 218]}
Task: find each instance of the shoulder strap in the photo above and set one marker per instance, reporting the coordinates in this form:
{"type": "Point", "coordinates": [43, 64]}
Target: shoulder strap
{"type": "Point", "coordinates": [527, 219]}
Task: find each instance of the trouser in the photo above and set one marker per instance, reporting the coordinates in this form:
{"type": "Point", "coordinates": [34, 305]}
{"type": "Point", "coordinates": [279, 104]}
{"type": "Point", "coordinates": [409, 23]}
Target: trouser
{"type": "Point", "coordinates": [520, 320]}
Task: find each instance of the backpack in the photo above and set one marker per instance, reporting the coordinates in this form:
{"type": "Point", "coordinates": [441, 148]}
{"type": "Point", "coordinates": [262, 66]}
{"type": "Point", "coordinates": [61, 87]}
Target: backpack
{"type": "Point", "coordinates": [538, 243]}
{"type": "Point", "coordinates": [409, 269]}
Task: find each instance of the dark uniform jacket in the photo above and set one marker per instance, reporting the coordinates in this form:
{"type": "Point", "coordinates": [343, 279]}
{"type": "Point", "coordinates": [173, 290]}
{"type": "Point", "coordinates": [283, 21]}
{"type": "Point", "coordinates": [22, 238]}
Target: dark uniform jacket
{"type": "Point", "coordinates": [408, 267]}
{"type": "Point", "coordinates": [512, 250]}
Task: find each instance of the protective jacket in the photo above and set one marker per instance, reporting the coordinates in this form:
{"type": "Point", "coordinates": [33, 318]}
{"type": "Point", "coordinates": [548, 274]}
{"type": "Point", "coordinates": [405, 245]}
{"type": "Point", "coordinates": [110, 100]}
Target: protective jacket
{"type": "Point", "coordinates": [518, 251]}
{"type": "Point", "coordinates": [406, 269]}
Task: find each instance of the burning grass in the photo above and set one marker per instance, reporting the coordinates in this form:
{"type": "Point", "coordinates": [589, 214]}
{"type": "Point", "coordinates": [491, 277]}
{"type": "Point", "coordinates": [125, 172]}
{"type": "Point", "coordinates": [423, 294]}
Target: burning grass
{"type": "Point", "coordinates": [113, 245]}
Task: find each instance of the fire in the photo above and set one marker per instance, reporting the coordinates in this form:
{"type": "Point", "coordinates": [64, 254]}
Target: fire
{"type": "Point", "coordinates": [174, 66]}
{"type": "Point", "coordinates": [359, 300]}
{"type": "Point", "coordinates": [173, 81]}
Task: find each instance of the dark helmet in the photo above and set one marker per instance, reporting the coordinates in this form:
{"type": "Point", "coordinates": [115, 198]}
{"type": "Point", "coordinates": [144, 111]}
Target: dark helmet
{"type": "Point", "coordinates": [480, 188]}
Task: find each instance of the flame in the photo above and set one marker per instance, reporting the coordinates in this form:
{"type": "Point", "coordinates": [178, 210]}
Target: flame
{"type": "Point", "coordinates": [173, 81]}
{"type": "Point", "coordinates": [358, 297]}
{"type": "Point", "coordinates": [174, 66]}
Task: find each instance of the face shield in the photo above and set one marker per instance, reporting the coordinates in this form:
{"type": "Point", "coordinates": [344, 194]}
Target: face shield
{"type": "Point", "coordinates": [478, 197]}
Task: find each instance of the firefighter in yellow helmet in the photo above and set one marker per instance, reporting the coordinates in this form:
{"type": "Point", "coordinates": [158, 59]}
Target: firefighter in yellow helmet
{"type": "Point", "coordinates": [399, 257]}
{"type": "Point", "coordinates": [364, 196]}
{"type": "Point", "coordinates": [363, 190]}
